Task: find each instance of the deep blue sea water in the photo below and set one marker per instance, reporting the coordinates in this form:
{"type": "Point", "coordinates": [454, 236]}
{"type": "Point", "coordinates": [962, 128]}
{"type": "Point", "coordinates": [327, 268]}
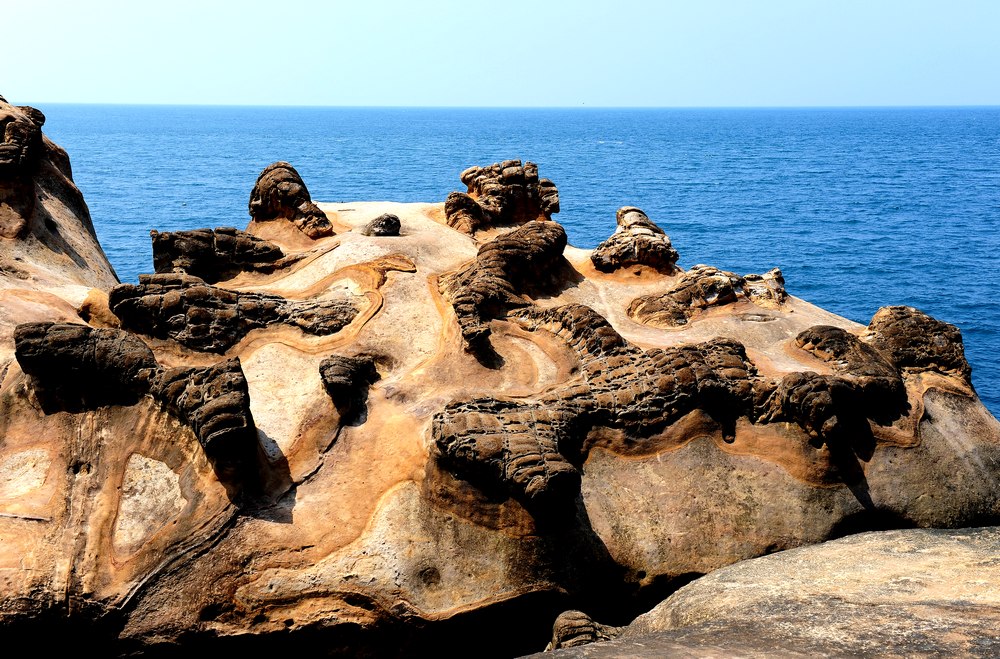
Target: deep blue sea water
{"type": "Point", "coordinates": [860, 208]}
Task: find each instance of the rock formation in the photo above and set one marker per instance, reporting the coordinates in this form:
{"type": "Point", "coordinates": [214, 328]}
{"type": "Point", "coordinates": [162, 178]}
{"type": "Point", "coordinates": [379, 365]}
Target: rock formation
{"type": "Point", "coordinates": [280, 193]}
{"type": "Point", "coordinates": [524, 258]}
{"type": "Point", "coordinates": [501, 194]}
{"type": "Point", "coordinates": [894, 594]}
{"type": "Point", "coordinates": [413, 442]}
{"type": "Point", "coordinates": [203, 317]}
{"type": "Point", "coordinates": [637, 241]}
{"type": "Point", "coordinates": [385, 224]}
{"type": "Point", "coordinates": [703, 287]}
{"type": "Point", "coordinates": [214, 254]}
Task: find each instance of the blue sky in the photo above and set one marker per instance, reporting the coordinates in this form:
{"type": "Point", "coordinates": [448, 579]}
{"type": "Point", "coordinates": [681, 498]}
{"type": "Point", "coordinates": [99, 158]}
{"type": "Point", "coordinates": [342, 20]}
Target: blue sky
{"type": "Point", "coordinates": [503, 52]}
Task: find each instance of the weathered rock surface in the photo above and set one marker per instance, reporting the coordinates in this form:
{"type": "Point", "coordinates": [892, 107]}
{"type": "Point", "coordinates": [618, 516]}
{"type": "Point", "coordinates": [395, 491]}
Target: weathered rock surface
{"type": "Point", "coordinates": [214, 254]}
{"type": "Point", "coordinates": [524, 258]}
{"type": "Point", "coordinates": [385, 224]}
{"type": "Point", "coordinates": [280, 193]}
{"type": "Point", "coordinates": [411, 443]}
{"type": "Point", "coordinates": [702, 287]}
{"type": "Point", "coordinates": [203, 317]}
{"type": "Point", "coordinates": [215, 402]}
{"type": "Point", "coordinates": [636, 241]}
{"type": "Point", "coordinates": [914, 341]}
{"type": "Point", "coordinates": [501, 194]}
{"type": "Point", "coordinates": [77, 367]}
{"type": "Point", "coordinates": [914, 593]}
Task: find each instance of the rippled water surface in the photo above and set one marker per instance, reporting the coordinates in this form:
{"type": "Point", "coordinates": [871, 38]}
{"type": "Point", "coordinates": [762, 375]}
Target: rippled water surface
{"type": "Point", "coordinates": [859, 208]}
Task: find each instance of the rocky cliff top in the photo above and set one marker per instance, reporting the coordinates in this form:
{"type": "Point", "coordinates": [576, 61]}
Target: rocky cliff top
{"type": "Point", "coordinates": [439, 434]}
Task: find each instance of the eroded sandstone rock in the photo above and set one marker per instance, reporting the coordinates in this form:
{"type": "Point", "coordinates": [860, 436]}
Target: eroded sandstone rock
{"type": "Point", "coordinates": [214, 254]}
{"type": "Point", "coordinates": [702, 287]}
{"type": "Point", "coordinates": [501, 194]}
{"type": "Point", "coordinates": [203, 317]}
{"type": "Point", "coordinates": [575, 628]}
{"type": "Point", "coordinates": [571, 460]}
{"type": "Point", "coordinates": [914, 341]}
{"type": "Point", "coordinates": [890, 594]}
{"type": "Point", "coordinates": [523, 259]}
{"type": "Point", "coordinates": [215, 402]}
{"type": "Point", "coordinates": [77, 367]}
{"type": "Point", "coordinates": [385, 224]}
{"type": "Point", "coordinates": [280, 193]}
{"type": "Point", "coordinates": [347, 379]}
{"type": "Point", "coordinates": [636, 241]}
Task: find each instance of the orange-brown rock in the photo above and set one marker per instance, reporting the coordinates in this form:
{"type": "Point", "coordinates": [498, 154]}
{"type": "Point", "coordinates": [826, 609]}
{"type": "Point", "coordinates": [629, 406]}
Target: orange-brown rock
{"type": "Point", "coordinates": [280, 193]}
{"type": "Point", "coordinates": [203, 317]}
{"type": "Point", "coordinates": [636, 241]}
{"type": "Point", "coordinates": [702, 287]}
{"type": "Point", "coordinates": [410, 443]}
{"type": "Point", "coordinates": [501, 194]}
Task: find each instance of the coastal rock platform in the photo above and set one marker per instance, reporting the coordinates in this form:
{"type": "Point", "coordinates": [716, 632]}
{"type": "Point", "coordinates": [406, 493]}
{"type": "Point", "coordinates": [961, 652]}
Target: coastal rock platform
{"type": "Point", "coordinates": [435, 437]}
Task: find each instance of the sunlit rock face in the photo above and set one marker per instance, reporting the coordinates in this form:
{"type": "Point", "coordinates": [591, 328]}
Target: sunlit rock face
{"type": "Point", "coordinates": [393, 443]}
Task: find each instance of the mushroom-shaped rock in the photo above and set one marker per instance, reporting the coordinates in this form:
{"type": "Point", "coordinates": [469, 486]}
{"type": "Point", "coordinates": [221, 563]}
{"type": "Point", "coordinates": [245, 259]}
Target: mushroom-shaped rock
{"type": "Point", "coordinates": [575, 628]}
{"type": "Point", "coordinates": [280, 193]}
{"type": "Point", "coordinates": [346, 380]}
{"type": "Point", "coordinates": [501, 194]}
{"type": "Point", "coordinates": [636, 241]}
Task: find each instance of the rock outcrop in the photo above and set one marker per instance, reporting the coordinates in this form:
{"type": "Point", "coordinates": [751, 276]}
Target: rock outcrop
{"type": "Point", "coordinates": [526, 258]}
{"type": "Point", "coordinates": [280, 193]}
{"type": "Point", "coordinates": [214, 254]}
{"type": "Point", "coordinates": [76, 367]}
{"type": "Point", "coordinates": [891, 594]}
{"type": "Point", "coordinates": [636, 241]}
{"type": "Point", "coordinates": [914, 341]}
{"type": "Point", "coordinates": [703, 287]}
{"type": "Point", "coordinates": [410, 443]}
{"type": "Point", "coordinates": [385, 224]}
{"type": "Point", "coordinates": [501, 194]}
{"type": "Point", "coordinates": [203, 317]}
{"type": "Point", "coordinates": [215, 402]}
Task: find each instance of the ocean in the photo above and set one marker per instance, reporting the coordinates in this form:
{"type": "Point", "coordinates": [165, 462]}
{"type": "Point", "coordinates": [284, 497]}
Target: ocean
{"type": "Point", "coordinates": [860, 208]}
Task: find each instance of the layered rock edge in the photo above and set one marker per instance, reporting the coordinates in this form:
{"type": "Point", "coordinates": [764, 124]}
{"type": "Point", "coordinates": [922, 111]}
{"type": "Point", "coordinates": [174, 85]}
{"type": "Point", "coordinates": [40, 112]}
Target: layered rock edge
{"type": "Point", "coordinates": [404, 426]}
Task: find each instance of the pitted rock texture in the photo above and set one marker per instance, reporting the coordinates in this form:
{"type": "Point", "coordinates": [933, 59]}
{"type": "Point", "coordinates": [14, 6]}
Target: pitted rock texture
{"type": "Point", "coordinates": [280, 193]}
{"type": "Point", "coordinates": [636, 241]}
{"type": "Point", "coordinates": [528, 447]}
{"type": "Point", "coordinates": [22, 145]}
{"type": "Point", "coordinates": [76, 367]}
{"type": "Point", "coordinates": [46, 237]}
{"type": "Point", "coordinates": [501, 194]}
{"type": "Point", "coordinates": [586, 463]}
{"type": "Point", "coordinates": [385, 224]}
{"type": "Point", "coordinates": [214, 254]}
{"type": "Point", "coordinates": [835, 408]}
{"type": "Point", "coordinates": [702, 287]}
{"type": "Point", "coordinates": [575, 628]}
{"type": "Point", "coordinates": [527, 257]}
{"type": "Point", "coordinates": [215, 402]}
{"type": "Point", "coordinates": [914, 341]}
{"type": "Point", "coordinates": [203, 317]}
{"type": "Point", "coordinates": [346, 380]}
